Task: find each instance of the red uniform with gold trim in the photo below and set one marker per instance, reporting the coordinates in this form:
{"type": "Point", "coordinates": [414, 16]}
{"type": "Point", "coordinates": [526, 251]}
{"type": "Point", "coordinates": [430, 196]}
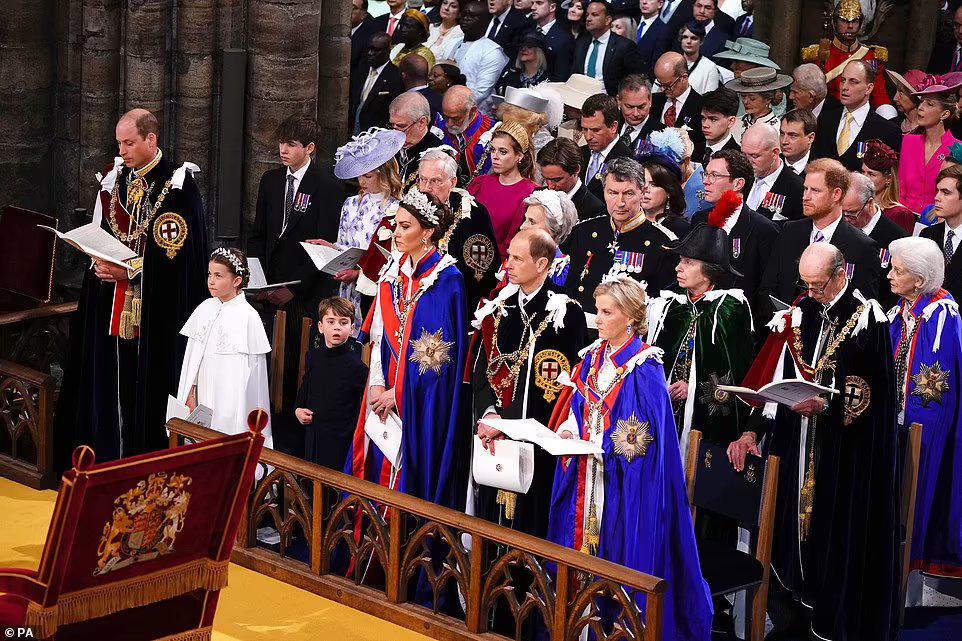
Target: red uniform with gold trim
{"type": "Point", "coordinates": [832, 56]}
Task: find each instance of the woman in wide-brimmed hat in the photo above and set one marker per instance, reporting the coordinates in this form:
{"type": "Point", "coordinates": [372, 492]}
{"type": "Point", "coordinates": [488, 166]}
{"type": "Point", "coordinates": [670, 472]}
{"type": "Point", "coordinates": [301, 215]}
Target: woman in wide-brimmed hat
{"type": "Point", "coordinates": [905, 101]}
{"type": "Point", "coordinates": [758, 89]}
{"type": "Point", "coordinates": [922, 153]}
{"type": "Point", "coordinates": [530, 66]}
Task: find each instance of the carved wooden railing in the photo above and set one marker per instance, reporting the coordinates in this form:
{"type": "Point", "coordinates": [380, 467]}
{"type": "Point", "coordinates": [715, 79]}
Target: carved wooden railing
{"type": "Point", "coordinates": [433, 570]}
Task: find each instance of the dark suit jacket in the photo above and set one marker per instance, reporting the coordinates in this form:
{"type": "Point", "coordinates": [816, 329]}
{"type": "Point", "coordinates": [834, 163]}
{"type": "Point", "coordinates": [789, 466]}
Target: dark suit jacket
{"type": "Point", "coordinates": [731, 144]}
{"type": "Point", "coordinates": [953, 271]}
{"type": "Point", "coordinates": [683, 14]}
{"type": "Point", "coordinates": [655, 42]}
{"type": "Point", "coordinates": [739, 21]}
{"type": "Point", "coordinates": [510, 31]}
{"type": "Point", "coordinates": [690, 116]}
{"type": "Point", "coordinates": [884, 233]}
{"type": "Point", "coordinates": [781, 276]}
{"type": "Point", "coordinates": [790, 185]}
{"type": "Point", "coordinates": [434, 14]}
{"type": "Point", "coordinates": [714, 41]}
{"type": "Point", "coordinates": [875, 126]}
{"type": "Point", "coordinates": [596, 187]}
{"type": "Point", "coordinates": [621, 59]}
{"type": "Point", "coordinates": [374, 111]}
{"type": "Point", "coordinates": [588, 205]}
{"type": "Point", "coordinates": [434, 100]}
{"type": "Point", "coordinates": [360, 39]}
{"type": "Point", "coordinates": [561, 52]}
{"type": "Point", "coordinates": [282, 256]}
{"type": "Point", "coordinates": [752, 239]}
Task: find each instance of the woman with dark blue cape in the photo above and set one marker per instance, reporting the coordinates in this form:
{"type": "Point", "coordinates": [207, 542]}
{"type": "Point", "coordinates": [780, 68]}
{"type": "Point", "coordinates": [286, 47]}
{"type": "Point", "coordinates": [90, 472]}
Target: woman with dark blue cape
{"type": "Point", "coordinates": [418, 331]}
{"type": "Point", "coordinates": [927, 339]}
{"type": "Point", "coordinates": [629, 505]}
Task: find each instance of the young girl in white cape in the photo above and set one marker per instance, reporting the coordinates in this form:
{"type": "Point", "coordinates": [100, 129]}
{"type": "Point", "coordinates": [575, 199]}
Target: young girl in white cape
{"type": "Point", "coordinates": [225, 366]}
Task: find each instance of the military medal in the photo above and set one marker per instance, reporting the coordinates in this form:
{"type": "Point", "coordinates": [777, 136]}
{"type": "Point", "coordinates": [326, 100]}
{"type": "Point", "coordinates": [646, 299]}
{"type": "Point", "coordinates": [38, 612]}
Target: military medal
{"type": "Point", "coordinates": [774, 203]}
{"type": "Point", "coordinates": [302, 202]}
{"type": "Point", "coordinates": [850, 270]}
{"type": "Point", "coordinates": [631, 262]}
{"type": "Point", "coordinates": [884, 257]}
{"type": "Point", "coordinates": [736, 247]}
{"type": "Point", "coordinates": [860, 149]}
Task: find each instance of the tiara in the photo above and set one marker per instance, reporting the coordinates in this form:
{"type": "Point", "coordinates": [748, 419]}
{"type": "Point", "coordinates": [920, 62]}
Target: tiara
{"type": "Point", "coordinates": [360, 145]}
{"type": "Point", "coordinates": [415, 198]}
{"type": "Point", "coordinates": [239, 267]}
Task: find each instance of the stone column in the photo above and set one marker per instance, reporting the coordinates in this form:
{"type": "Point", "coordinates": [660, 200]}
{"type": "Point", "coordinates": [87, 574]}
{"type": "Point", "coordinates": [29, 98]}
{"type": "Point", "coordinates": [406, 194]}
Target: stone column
{"type": "Point", "coordinates": [146, 25]}
{"type": "Point", "coordinates": [334, 76]}
{"type": "Point", "coordinates": [777, 22]}
{"type": "Point", "coordinates": [281, 79]}
{"type": "Point", "coordinates": [26, 101]}
{"type": "Point", "coordinates": [923, 25]}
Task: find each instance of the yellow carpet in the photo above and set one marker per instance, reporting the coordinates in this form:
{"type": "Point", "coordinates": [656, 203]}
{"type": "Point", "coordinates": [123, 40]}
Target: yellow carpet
{"type": "Point", "coordinates": [252, 608]}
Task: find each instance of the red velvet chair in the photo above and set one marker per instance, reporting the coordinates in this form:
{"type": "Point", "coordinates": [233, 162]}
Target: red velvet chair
{"type": "Point", "coordinates": [138, 548]}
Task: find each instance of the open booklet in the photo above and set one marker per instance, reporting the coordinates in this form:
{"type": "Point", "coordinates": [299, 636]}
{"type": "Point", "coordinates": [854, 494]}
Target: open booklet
{"type": "Point", "coordinates": [788, 392]}
{"type": "Point", "coordinates": [510, 468]}
{"type": "Point", "coordinates": [94, 241]}
{"type": "Point", "coordinates": [385, 435]}
{"type": "Point", "coordinates": [332, 260]}
{"type": "Point", "coordinates": [258, 281]}
{"type": "Point", "coordinates": [202, 415]}
{"type": "Point", "coordinates": [528, 429]}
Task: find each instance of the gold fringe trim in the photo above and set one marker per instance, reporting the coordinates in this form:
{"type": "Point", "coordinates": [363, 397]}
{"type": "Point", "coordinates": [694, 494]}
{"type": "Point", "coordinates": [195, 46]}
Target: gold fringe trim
{"type": "Point", "coordinates": [202, 574]}
{"type": "Point", "coordinates": [200, 634]}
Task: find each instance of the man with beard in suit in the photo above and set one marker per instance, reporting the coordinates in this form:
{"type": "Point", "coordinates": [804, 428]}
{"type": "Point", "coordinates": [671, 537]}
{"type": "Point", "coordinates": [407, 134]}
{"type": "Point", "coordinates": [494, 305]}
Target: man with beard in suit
{"type": "Point", "coordinates": [752, 235]}
{"type": "Point", "coordinates": [601, 53]}
{"type": "Point", "coordinates": [777, 192]}
{"type": "Point", "coordinates": [600, 122]}
{"type": "Point", "coordinates": [296, 203]}
{"type": "Point", "coordinates": [826, 182]}
{"type": "Point", "coordinates": [560, 163]}
{"type": "Point", "coordinates": [844, 133]}
{"type": "Point", "coordinates": [560, 45]}
{"type": "Point", "coordinates": [860, 209]}
{"type": "Point", "coordinates": [634, 100]}
{"type": "Point", "coordinates": [678, 105]}
{"type": "Point", "coordinates": [948, 231]}
{"type": "Point", "coordinates": [374, 86]}
{"type": "Point", "coordinates": [654, 38]}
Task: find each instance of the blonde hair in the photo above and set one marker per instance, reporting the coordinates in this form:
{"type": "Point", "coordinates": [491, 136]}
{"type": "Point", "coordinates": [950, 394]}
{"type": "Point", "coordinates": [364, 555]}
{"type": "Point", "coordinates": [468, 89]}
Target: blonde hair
{"type": "Point", "coordinates": [389, 177]}
{"type": "Point", "coordinates": [890, 195]}
{"type": "Point", "coordinates": [630, 298]}
{"type": "Point", "coordinates": [530, 120]}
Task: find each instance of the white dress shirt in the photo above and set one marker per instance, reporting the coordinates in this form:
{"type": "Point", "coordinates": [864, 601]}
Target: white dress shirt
{"type": "Point", "coordinates": [369, 83]}
{"type": "Point", "coordinates": [817, 109]}
{"type": "Point", "coordinates": [602, 48]}
{"type": "Point", "coordinates": [574, 190]}
{"type": "Point", "coordinates": [828, 231]}
{"type": "Point", "coordinates": [870, 226]}
{"type": "Point", "coordinates": [645, 24]}
{"type": "Point", "coordinates": [732, 221]}
{"type": "Point", "coordinates": [492, 30]}
{"type": "Point", "coordinates": [762, 187]}
{"type": "Point", "coordinates": [799, 165]}
{"type": "Point", "coordinates": [634, 131]}
{"type": "Point", "coordinates": [858, 119]}
{"type": "Point", "coordinates": [545, 29]}
{"type": "Point", "coordinates": [718, 146]}
{"type": "Point", "coordinates": [481, 62]}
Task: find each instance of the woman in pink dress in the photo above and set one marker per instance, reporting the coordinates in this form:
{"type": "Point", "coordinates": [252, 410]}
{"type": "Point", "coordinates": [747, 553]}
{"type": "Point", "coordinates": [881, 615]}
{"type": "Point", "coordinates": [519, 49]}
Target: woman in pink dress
{"type": "Point", "coordinates": [923, 153]}
{"type": "Point", "coordinates": [503, 191]}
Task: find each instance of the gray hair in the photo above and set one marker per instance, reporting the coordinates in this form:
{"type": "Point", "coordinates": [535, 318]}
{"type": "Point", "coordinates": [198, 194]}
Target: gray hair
{"type": "Point", "coordinates": [542, 60]}
{"type": "Point", "coordinates": [560, 213]}
{"type": "Point", "coordinates": [624, 169]}
{"type": "Point", "coordinates": [411, 104]}
{"type": "Point", "coordinates": [448, 163]}
{"type": "Point", "coordinates": [862, 185]}
{"type": "Point", "coordinates": [922, 257]}
{"type": "Point", "coordinates": [810, 77]}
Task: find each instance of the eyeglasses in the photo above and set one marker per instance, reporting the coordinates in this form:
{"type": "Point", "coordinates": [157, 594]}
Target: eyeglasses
{"type": "Point", "coordinates": [712, 176]}
{"type": "Point", "coordinates": [671, 84]}
{"type": "Point", "coordinates": [432, 182]}
{"type": "Point", "coordinates": [397, 127]}
{"type": "Point", "coordinates": [816, 289]}
{"type": "Point", "coordinates": [853, 213]}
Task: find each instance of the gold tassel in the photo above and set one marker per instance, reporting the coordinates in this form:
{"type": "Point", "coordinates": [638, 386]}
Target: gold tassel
{"type": "Point", "coordinates": [135, 306]}
{"type": "Point", "coordinates": [509, 500]}
{"type": "Point", "coordinates": [592, 533]}
{"type": "Point", "coordinates": [807, 498]}
{"type": "Point", "coordinates": [126, 330]}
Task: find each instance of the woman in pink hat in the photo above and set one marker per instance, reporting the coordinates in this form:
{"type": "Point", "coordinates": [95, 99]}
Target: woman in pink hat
{"type": "Point", "coordinates": [923, 152]}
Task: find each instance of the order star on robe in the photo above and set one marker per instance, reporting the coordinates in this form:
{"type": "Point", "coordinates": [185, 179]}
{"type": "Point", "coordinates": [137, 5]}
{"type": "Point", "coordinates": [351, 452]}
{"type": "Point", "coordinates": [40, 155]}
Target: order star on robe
{"type": "Point", "coordinates": [420, 321]}
{"type": "Point", "coordinates": [634, 509]}
{"type": "Point", "coordinates": [927, 338]}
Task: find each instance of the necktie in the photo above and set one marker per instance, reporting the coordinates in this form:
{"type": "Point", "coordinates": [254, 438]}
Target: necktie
{"type": "Point", "coordinates": [957, 59]}
{"type": "Point", "coordinates": [541, 31]}
{"type": "Point", "coordinates": [495, 25]}
{"type": "Point", "coordinates": [594, 165]}
{"type": "Point", "coordinates": [626, 137]}
{"type": "Point", "coordinates": [666, 10]}
{"type": "Point", "coordinates": [672, 114]}
{"type": "Point", "coordinates": [593, 59]}
{"type": "Point", "coordinates": [707, 158]}
{"type": "Point", "coordinates": [391, 24]}
{"type": "Point", "coordinates": [463, 167]}
{"type": "Point", "coordinates": [756, 194]}
{"type": "Point", "coordinates": [819, 237]}
{"type": "Point", "coordinates": [845, 138]}
{"type": "Point", "coordinates": [746, 29]}
{"type": "Point", "coordinates": [368, 85]}
{"type": "Point", "coordinates": [949, 249]}
{"type": "Point", "coordinates": [288, 202]}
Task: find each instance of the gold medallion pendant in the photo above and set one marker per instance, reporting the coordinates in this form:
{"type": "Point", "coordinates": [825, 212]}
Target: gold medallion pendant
{"type": "Point", "coordinates": [431, 351]}
{"type": "Point", "coordinates": [856, 398]}
{"type": "Point", "coordinates": [631, 438]}
{"type": "Point", "coordinates": [479, 254]}
{"type": "Point", "coordinates": [170, 232]}
{"type": "Point", "coordinates": [548, 365]}
{"type": "Point", "coordinates": [931, 383]}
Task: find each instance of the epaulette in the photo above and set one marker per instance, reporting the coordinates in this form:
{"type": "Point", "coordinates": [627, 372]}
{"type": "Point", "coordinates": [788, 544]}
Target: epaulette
{"type": "Point", "coordinates": [881, 53]}
{"type": "Point", "coordinates": [824, 49]}
{"type": "Point", "coordinates": [810, 53]}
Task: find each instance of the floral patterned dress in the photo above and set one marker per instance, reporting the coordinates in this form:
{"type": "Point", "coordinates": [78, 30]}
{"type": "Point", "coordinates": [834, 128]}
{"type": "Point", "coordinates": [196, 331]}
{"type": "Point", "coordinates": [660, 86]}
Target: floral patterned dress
{"type": "Point", "coordinates": [360, 217]}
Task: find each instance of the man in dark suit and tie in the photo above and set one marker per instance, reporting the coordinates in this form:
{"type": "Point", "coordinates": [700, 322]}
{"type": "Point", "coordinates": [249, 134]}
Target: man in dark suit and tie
{"type": "Point", "coordinates": [948, 232]}
{"type": "Point", "coordinates": [389, 21]}
{"type": "Point", "coordinates": [560, 46]}
{"type": "Point", "coordinates": [826, 183]}
{"type": "Point", "coordinates": [718, 27]}
{"type": "Point", "coordinates": [860, 209]}
{"type": "Point", "coordinates": [745, 23]}
{"type": "Point", "coordinates": [362, 28]}
{"type": "Point", "coordinates": [374, 86]}
{"type": "Point", "coordinates": [653, 38]}
{"type": "Point", "coordinates": [634, 100]}
{"type": "Point", "coordinates": [600, 123]}
{"type": "Point", "coordinates": [947, 54]}
{"type": "Point", "coordinates": [296, 203]}
{"type": "Point", "coordinates": [560, 163]}
{"type": "Point", "coordinates": [777, 191]}
{"type": "Point", "coordinates": [507, 23]}
{"type": "Point", "coordinates": [703, 11]}
{"type": "Point", "coordinates": [843, 134]}
{"type": "Point", "coordinates": [602, 54]}
{"type": "Point", "coordinates": [752, 235]}
{"type": "Point", "coordinates": [719, 115]}
{"type": "Point", "coordinates": [678, 105]}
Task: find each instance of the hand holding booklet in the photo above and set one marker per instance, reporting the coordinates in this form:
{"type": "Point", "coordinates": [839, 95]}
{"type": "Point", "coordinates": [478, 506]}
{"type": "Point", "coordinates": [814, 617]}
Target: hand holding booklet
{"type": "Point", "coordinates": [334, 259]}
{"type": "Point", "coordinates": [258, 281]}
{"type": "Point", "coordinates": [385, 435]}
{"type": "Point", "coordinates": [788, 392]}
{"type": "Point", "coordinates": [510, 468]}
{"type": "Point", "coordinates": [202, 415]}
{"type": "Point", "coordinates": [528, 429]}
{"type": "Point", "coordinates": [94, 241]}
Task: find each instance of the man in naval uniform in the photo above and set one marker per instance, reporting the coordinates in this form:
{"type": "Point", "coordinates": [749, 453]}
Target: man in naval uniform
{"type": "Point", "coordinates": [622, 242]}
{"type": "Point", "coordinates": [126, 348]}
